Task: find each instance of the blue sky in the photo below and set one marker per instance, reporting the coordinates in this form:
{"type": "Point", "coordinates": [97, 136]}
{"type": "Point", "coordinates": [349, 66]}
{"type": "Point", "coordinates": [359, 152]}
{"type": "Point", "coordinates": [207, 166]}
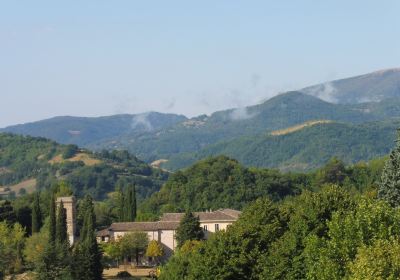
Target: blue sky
{"type": "Point", "coordinates": [92, 58]}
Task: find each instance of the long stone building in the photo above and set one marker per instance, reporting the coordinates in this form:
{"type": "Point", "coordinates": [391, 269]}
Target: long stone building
{"type": "Point", "coordinates": [164, 230]}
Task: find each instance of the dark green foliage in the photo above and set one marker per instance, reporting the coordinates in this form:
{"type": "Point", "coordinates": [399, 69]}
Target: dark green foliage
{"type": "Point", "coordinates": [55, 261]}
{"type": "Point", "coordinates": [54, 264]}
{"type": "Point", "coordinates": [269, 241]}
{"type": "Point", "coordinates": [221, 182]}
{"type": "Point", "coordinates": [61, 224]}
{"type": "Point", "coordinates": [302, 150]}
{"type": "Point", "coordinates": [36, 214]}
{"type": "Point", "coordinates": [24, 217]}
{"type": "Point", "coordinates": [124, 274]}
{"type": "Point", "coordinates": [389, 188]}
{"type": "Point", "coordinates": [130, 204]}
{"type": "Point", "coordinates": [84, 205]}
{"type": "Point", "coordinates": [127, 209]}
{"type": "Point", "coordinates": [52, 220]}
{"type": "Point", "coordinates": [308, 216]}
{"type": "Point", "coordinates": [189, 229]}
{"type": "Point", "coordinates": [87, 255]}
{"type": "Point", "coordinates": [234, 254]}
{"type": "Point", "coordinates": [334, 172]}
{"type": "Point", "coordinates": [7, 212]}
{"type": "Point", "coordinates": [70, 151]}
{"type": "Point", "coordinates": [121, 205]}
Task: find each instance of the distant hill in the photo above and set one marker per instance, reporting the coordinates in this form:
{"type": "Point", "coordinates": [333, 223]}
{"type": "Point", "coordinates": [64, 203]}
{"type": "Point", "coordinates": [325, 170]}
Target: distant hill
{"type": "Point", "coordinates": [151, 137]}
{"type": "Point", "coordinates": [302, 149]}
{"type": "Point", "coordinates": [220, 182]}
{"type": "Point", "coordinates": [372, 87]}
{"type": "Point", "coordinates": [85, 131]}
{"type": "Point", "coordinates": [37, 163]}
{"type": "Point", "coordinates": [280, 112]}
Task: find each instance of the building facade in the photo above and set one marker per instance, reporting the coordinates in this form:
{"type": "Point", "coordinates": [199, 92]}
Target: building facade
{"type": "Point", "coordinates": [164, 230]}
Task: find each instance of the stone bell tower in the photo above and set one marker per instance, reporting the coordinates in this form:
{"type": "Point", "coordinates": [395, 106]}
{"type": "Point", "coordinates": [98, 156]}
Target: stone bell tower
{"type": "Point", "coordinates": [69, 203]}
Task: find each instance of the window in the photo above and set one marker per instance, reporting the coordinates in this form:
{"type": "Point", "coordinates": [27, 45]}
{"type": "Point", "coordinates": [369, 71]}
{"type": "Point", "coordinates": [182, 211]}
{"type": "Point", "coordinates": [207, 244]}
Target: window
{"type": "Point", "coordinates": [216, 227]}
{"type": "Point", "coordinates": [205, 228]}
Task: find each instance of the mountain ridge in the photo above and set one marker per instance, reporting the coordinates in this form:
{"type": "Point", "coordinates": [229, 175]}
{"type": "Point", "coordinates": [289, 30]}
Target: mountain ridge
{"type": "Point", "coordinates": [154, 136]}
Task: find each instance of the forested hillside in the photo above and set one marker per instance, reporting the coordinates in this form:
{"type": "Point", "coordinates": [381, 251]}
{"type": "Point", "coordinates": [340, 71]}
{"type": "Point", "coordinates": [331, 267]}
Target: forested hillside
{"type": "Point", "coordinates": [304, 149]}
{"type": "Point", "coordinates": [346, 228]}
{"type": "Point", "coordinates": [280, 112]}
{"type": "Point", "coordinates": [243, 132]}
{"type": "Point", "coordinates": [222, 182]}
{"type": "Point", "coordinates": [43, 163]}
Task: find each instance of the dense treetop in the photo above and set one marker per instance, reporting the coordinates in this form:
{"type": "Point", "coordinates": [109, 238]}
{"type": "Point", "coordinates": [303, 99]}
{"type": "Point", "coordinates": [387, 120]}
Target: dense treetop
{"type": "Point", "coordinates": [222, 182]}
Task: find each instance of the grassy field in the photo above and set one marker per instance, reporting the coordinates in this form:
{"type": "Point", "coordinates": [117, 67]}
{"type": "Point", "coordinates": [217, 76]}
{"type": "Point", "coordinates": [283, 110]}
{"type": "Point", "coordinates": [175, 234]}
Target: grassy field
{"type": "Point", "coordinates": [86, 158]}
{"type": "Point", "coordinates": [29, 186]}
{"type": "Point", "coordinates": [298, 127]}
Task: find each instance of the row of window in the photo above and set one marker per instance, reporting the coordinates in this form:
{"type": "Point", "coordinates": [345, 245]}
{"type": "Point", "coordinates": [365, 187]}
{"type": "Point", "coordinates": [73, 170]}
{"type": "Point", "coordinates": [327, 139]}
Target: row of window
{"type": "Point", "coordinates": [216, 227]}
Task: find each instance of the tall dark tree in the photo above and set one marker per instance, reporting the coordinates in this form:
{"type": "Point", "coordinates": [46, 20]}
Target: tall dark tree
{"type": "Point", "coordinates": [189, 229]}
{"type": "Point", "coordinates": [334, 172]}
{"type": "Point", "coordinates": [134, 204]}
{"type": "Point", "coordinates": [55, 261]}
{"type": "Point", "coordinates": [130, 204]}
{"type": "Point", "coordinates": [7, 212]}
{"type": "Point", "coordinates": [61, 225]}
{"type": "Point", "coordinates": [83, 206]}
{"type": "Point", "coordinates": [87, 256]}
{"type": "Point", "coordinates": [121, 206]}
{"type": "Point", "coordinates": [389, 187]}
{"type": "Point", "coordinates": [52, 220]}
{"type": "Point", "coordinates": [36, 214]}
{"type": "Point", "coordinates": [127, 208]}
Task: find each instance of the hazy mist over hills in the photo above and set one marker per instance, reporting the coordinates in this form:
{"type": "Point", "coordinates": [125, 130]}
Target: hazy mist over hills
{"type": "Point", "coordinates": [373, 97]}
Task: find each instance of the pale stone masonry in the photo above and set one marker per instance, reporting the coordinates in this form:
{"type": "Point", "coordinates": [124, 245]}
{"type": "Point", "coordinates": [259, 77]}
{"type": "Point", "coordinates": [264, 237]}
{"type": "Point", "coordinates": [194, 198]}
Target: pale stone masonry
{"type": "Point", "coordinates": [69, 203]}
{"type": "Point", "coordinates": [164, 230]}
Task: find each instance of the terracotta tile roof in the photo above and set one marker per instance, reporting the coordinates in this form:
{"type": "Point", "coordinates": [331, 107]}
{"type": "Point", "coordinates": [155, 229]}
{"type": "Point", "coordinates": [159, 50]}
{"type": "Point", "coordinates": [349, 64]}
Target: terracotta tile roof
{"type": "Point", "coordinates": [170, 221]}
{"type": "Point", "coordinates": [139, 226]}
{"type": "Point", "coordinates": [218, 215]}
{"type": "Point", "coordinates": [231, 212]}
{"type": "Point", "coordinates": [103, 232]}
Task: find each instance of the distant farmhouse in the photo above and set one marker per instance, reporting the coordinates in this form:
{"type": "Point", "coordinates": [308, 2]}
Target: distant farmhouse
{"type": "Point", "coordinates": [164, 230]}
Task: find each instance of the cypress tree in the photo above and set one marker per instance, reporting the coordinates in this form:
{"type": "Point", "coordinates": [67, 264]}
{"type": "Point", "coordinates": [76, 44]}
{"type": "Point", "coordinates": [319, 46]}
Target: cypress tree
{"type": "Point", "coordinates": [389, 187]}
{"type": "Point", "coordinates": [121, 206]}
{"type": "Point", "coordinates": [87, 254]}
{"type": "Point", "coordinates": [36, 214]}
{"type": "Point", "coordinates": [128, 205]}
{"type": "Point", "coordinates": [189, 229]}
{"type": "Point", "coordinates": [61, 225]}
{"type": "Point", "coordinates": [55, 260]}
{"type": "Point", "coordinates": [52, 220]}
{"type": "Point", "coordinates": [134, 207]}
{"type": "Point", "coordinates": [84, 204]}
